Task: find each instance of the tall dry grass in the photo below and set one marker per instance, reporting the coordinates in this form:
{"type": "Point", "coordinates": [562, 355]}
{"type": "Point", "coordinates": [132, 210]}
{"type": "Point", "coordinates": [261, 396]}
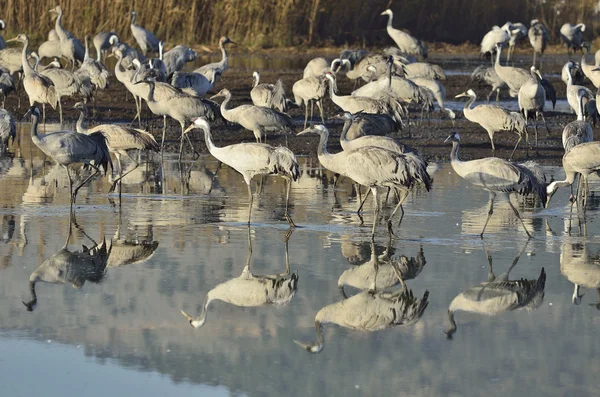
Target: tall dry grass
{"type": "Point", "coordinates": [280, 23]}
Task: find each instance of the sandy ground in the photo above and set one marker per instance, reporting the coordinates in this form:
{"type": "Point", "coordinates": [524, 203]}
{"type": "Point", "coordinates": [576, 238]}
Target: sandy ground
{"type": "Point", "coordinates": [116, 105]}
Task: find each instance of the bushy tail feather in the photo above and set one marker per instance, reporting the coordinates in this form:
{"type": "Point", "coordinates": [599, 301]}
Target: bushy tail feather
{"type": "Point", "coordinates": [284, 162]}
{"type": "Point", "coordinates": [278, 98]}
{"type": "Point", "coordinates": [417, 169]}
{"type": "Point", "coordinates": [537, 179]}
{"type": "Point", "coordinates": [104, 160]}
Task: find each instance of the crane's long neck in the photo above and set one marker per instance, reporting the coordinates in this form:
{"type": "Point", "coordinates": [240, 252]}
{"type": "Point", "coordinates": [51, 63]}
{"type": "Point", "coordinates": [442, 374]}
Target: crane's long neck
{"type": "Point", "coordinates": [224, 56]}
{"type": "Point", "coordinates": [151, 91]}
{"type": "Point", "coordinates": [470, 102]}
{"type": "Point", "coordinates": [497, 63]}
{"type": "Point", "coordinates": [27, 69]}
{"type": "Point", "coordinates": [569, 77]}
{"type": "Point", "coordinates": [33, 302]}
{"type": "Point", "coordinates": [201, 319]}
{"type": "Point", "coordinates": [60, 31]}
{"type": "Point", "coordinates": [209, 142]}
{"type": "Point", "coordinates": [332, 87]}
{"type": "Point", "coordinates": [580, 107]}
{"type": "Point", "coordinates": [118, 65]}
{"type": "Point", "coordinates": [224, 111]}
{"type": "Point", "coordinates": [344, 135]}
{"type": "Point", "coordinates": [98, 53]}
{"type": "Point", "coordinates": [452, 327]}
{"type": "Point", "coordinates": [390, 17]}
{"type": "Point", "coordinates": [454, 152]}
{"type": "Point", "coordinates": [256, 80]}
{"type": "Point", "coordinates": [34, 125]}
{"type": "Point", "coordinates": [81, 123]}
{"type": "Point", "coordinates": [133, 19]}
{"type": "Point", "coordinates": [322, 149]}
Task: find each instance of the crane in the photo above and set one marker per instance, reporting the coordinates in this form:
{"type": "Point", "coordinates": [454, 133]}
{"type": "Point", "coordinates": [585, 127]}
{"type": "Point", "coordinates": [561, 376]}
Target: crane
{"type": "Point", "coordinates": [573, 90]}
{"type": "Point", "coordinates": [176, 58]}
{"type": "Point", "coordinates": [572, 36]}
{"type": "Point", "coordinates": [513, 77]}
{"type": "Point", "coordinates": [70, 47]}
{"type": "Point", "coordinates": [581, 268]}
{"type": "Point", "coordinates": [2, 27]}
{"type": "Point", "coordinates": [268, 95]}
{"type": "Point", "coordinates": [251, 159]}
{"type": "Point", "coordinates": [310, 90]}
{"type": "Point", "coordinates": [496, 38]}
{"type": "Point", "coordinates": [119, 140]}
{"type": "Point", "coordinates": [195, 84]}
{"type": "Point", "coordinates": [145, 38]}
{"type": "Point", "coordinates": [70, 147]}
{"type": "Point", "coordinates": [532, 98]}
{"type": "Point", "coordinates": [7, 83]}
{"type": "Point", "coordinates": [499, 176]}
{"type": "Point", "coordinates": [494, 118]}
{"type": "Point", "coordinates": [405, 42]}
{"type": "Point", "coordinates": [578, 131]}
{"type": "Point", "coordinates": [374, 167]}
{"type": "Point", "coordinates": [498, 295]}
{"type": "Point", "coordinates": [39, 88]}
{"type": "Point", "coordinates": [588, 69]}
{"type": "Point", "coordinates": [517, 31]}
{"type": "Point", "coordinates": [8, 129]}
{"type": "Point", "coordinates": [103, 41]}
{"type": "Point", "coordinates": [251, 290]}
{"type": "Point", "coordinates": [319, 66]}
{"type": "Point", "coordinates": [210, 69]}
{"type": "Point", "coordinates": [51, 47]}
{"type": "Point", "coordinates": [257, 119]}
{"type": "Point", "coordinates": [538, 37]}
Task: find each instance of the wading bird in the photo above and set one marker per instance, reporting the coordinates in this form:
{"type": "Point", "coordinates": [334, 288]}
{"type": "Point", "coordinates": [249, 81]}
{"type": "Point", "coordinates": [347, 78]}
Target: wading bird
{"type": "Point", "coordinates": [8, 129]}
{"type": "Point", "coordinates": [539, 38]}
{"type": "Point", "coordinates": [103, 41]}
{"type": "Point", "coordinates": [70, 47]}
{"type": "Point", "coordinates": [257, 119]}
{"type": "Point", "coordinates": [268, 95]}
{"type": "Point", "coordinates": [405, 42]}
{"type": "Point", "coordinates": [374, 167]}
{"type": "Point", "coordinates": [70, 147]}
{"type": "Point", "coordinates": [572, 36]}
{"type": "Point", "coordinates": [488, 76]}
{"type": "Point", "coordinates": [494, 119]}
{"type": "Point", "coordinates": [145, 38]}
{"type": "Point", "coordinates": [119, 140]}
{"type": "Point", "coordinates": [220, 67]}
{"type": "Point", "coordinates": [499, 176]}
{"type": "Point", "coordinates": [513, 77]}
{"type": "Point", "coordinates": [251, 290]}
{"type": "Point", "coordinates": [581, 268]}
{"type": "Point", "coordinates": [251, 159]}
{"type": "Point", "coordinates": [310, 90]}
{"type": "Point", "coordinates": [532, 98]}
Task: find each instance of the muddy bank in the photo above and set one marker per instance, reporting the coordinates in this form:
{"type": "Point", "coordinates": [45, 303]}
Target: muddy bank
{"type": "Point", "coordinates": [116, 105]}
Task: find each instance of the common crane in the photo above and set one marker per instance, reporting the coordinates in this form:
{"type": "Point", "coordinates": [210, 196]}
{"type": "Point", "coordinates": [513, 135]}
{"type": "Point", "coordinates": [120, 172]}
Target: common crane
{"type": "Point", "coordinates": [145, 38]}
{"type": "Point", "coordinates": [268, 95]}
{"type": "Point", "coordinates": [572, 36]}
{"type": "Point", "coordinates": [538, 38]}
{"type": "Point", "coordinates": [405, 42]}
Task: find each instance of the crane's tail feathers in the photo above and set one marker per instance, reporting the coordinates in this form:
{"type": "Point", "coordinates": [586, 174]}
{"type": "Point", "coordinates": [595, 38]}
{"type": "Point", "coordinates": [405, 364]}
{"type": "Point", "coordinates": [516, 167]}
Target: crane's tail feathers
{"type": "Point", "coordinates": [283, 162]}
{"type": "Point", "coordinates": [515, 122]}
{"type": "Point", "coordinates": [278, 100]}
{"type": "Point", "coordinates": [417, 169]}
{"type": "Point", "coordinates": [534, 179]}
{"type": "Point", "coordinates": [103, 156]}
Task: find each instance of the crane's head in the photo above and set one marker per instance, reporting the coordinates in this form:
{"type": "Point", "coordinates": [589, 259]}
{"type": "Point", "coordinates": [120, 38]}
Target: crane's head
{"type": "Point", "coordinates": [21, 38]}
{"type": "Point", "coordinates": [198, 122]}
{"type": "Point", "coordinates": [2, 24]}
{"type": "Point", "coordinates": [33, 112]}
{"type": "Point", "coordinates": [468, 93]}
{"type": "Point", "coordinates": [113, 39]}
{"type": "Point", "coordinates": [223, 93]}
{"type": "Point", "coordinates": [536, 71]}
{"type": "Point", "coordinates": [315, 129]}
{"type": "Point", "coordinates": [534, 21]}
{"type": "Point", "coordinates": [226, 40]}
{"type": "Point", "coordinates": [56, 10]}
{"type": "Point", "coordinates": [454, 137]}
{"type": "Point", "coordinates": [80, 106]}
{"type": "Point", "coordinates": [346, 116]}
{"type": "Point", "coordinates": [255, 77]}
{"type": "Point", "coordinates": [132, 13]}
{"type": "Point", "coordinates": [387, 12]}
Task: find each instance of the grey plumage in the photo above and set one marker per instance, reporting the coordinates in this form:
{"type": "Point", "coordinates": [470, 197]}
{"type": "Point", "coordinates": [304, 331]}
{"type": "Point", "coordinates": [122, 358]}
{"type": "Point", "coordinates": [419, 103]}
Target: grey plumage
{"type": "Point", "coordinates": [517, 32]}
{"type": "Point", "coordinates": [211, 69]}
{"type": "Point", "coordinates": [51, 47]}
{"type": "Point", "coordinates": [438, 90]}
{"type": "Point", "coordinates": [573, 90]}
{"type": "Point", "coordinates": [353, 56]}
{"type": "Point", "coordinates": [193, 83]}
{"type": "Point", "coordinates": [513, 77]}
{"type": "Point", "coordinates": [103, 41]}
{"type": "Point", "coordinates": [268, 95]}
{"type": "Point", "coordinates": [499, 176]}
{"type": "Point", "coordinates": [405, 42]}
{"type": "Point", "coordinates": [69, 147]}
{"type": "Point", "coordinates": [572, 36]}
{"type": "Point", "coordinates": [7, 83]}
{"type": "Point", "coordinates": [176, 58]}
{"type": "Point", "coordinates": [257, 119]}
{"type": "Point", "coordinates": [8, 128]}
{"type": "Point", "coordinates": [550, 91]}
{"type": "Point", "coordinates": [588, 69]}
{"type": "Point", "coordinates": [497, 37]}
{"type": "Point", "coordinates": [251, 159]}
{"type": "Point", "coordinates": [128, 54]}
{"type": "Point", "coordinates": [70, 47]}
{"type": "Point", "coordinates": [374, 167]}
{"type": "Point", "coordinates": [494, 118]}
{"type": "Point", "coordinates": [366, 124]}
{"type": "Point", "coordinates": [308, 91]}
{"type": "Point", "coordinates": [580, 267]}
{"type": "Point", "coordinates": [488, 76]}
{"type": "Point", "coordinates": [146, 40]}
{"type": "Point", "coordinates": [69, 84]}
{"type": "Point", "coordinates": [319, 66]}
{"type": "Point", "coordinates": [532, 98]}
{"type": "Point", "coordinates": [10, 59]}
{"type": "Point", "coordinates": [2, 27]}
{"type": "Point", "coordinates": [95, 70]}
{"type": "Point", "coordinates": [424, 69]}
{"type": "Point", "coordinates": [538, 38]}
{"type": "Point", "coordinates": [379, 141]}
{"type": "Point", "coordinates": [578, 131]}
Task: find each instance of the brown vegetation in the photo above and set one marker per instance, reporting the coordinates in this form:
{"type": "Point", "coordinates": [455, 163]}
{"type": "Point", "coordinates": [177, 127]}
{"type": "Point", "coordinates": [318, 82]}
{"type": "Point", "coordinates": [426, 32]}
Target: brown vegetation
{"type": "Point", "coordinates": [284, 23]}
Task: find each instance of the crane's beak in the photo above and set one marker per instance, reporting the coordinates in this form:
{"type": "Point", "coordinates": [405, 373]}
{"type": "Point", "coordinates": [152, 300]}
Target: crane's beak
{"type": "Point", "coordinates": [216, 96]}
{"type": "Point", "coordinates": [13, 39]}
{"type": "Point", "coordinates": [461, 95]}
{"type": "Point", "coordinates": [306, 131]}
{"type": "Point", "coordinates": [190, 128]}
{"type": "Point", "coordinates": [448, 139]}
{"type": "Point", "coordinates": [596, 70]}
{"type": "Point", "coordinates": [383, 13]}
{"type": "Point", "coordinates": [539, 74]}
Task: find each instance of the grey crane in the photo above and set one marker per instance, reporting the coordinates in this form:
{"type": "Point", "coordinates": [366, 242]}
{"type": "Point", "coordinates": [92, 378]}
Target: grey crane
{"type": "Point", "coordinates": [379, 141]}
{"type": "Point", "coordinates": [257, 119]}
{"type": "Point", "coordinates": [374, 167]}
{"type": "Point", "coordinates": [39, 89]}
{"type": "Point", "coordinates": [95, 70]}
{"type": "Point", "coordinates": [422, 69]}
{"type": "Point", "coordinates": [2, 27]}
{"type": "Point", "coordinates": [572, 36]}
{"type": "Point", "coordinates": [496, 37]}
{"type": "Point", "coordinates": [319, 66]}
{"type": "Point", "coordinates": [380, 273]}
{"type": "Point", "coordinates": [119, 140]}
{"type": "Point", "coordinates": [517, 32]}
{"type": "Point", "coordinates": [353, 56]}
{"type": "Point", "coordinates": [176, 58]}
{"type": "Point", "coordinates": [499, 176]}
{"type": "Point", "coordinates": [10, 59]}
{"type": "Point", "coordinates": [145, 38]}
{"type": "Point", "coordinates": [129, 54]}
{"type": "Point", "coordinates": [439, 93]}
{"type": "Point", "coordinates": [383, 103]}
{"type": "Point", "coordinates": [125, 76]}
{"type": "Point", "coordinates": [498, 295]}
{"type": "Point", "coordinates": [251, 159]}
{"type": "Point", "coordinates": [365, 124]}
{"type": "Point", "coordinates": [70, 47]}
{"type": "Point", "coordinates": [532, 98]}
{"type": "Point", "coordinates": [578, 131]}
{"type": "Point", "coordinates": [308, 91]}
{"type": "Point", "coordinates": [51, 47]}
{"type": "Point", "coordinates": [128, 251]}
{"type": "Point", "coordinates": [494, 119]}
{"type": "Point", "coordinates": [369, 311]}
{"type": "Point", "coordinates": [581, 268]}
{"type": "Point", "coordinates": [40, 68]}
{"type": "Point", "coordinates": [573, 90]}
{"type": "Point", "coordinates": [513, 77]}
{"type": "Point", "coordinates": [103, 41]}
{"type": "Point", "coordinates": [153, 68]}
{"type": "Point", "coordinates": [195, 84]}
{"type": "Point", "coordinates": [179, 106]}
{"type": "Point", "coordinates": [405, 42]}
{"type": "Point", "coordinates": [251, 290]}
{"type": "Point", "coordinates": [210, 69]}
{"type": "Point", "coordinates": [574, 70]}
{"type": "Point", "coordinates": [361, 69]}
{"type": "Point", "coordinates": [7, 83]}
{"type": "Point", "coordinates": [70, 267]}
{"type": "Point", "coordinates": [583, 159]}
{"type": "Point", "coordinates": [588, 69]}
{"type": "Point", "coordinates": [488, 76]}
{"type": "Point", "coordinates": [268, 95]}
{"type": "Point", "coordinates": [8, 129]}
{"type": "Point", "coordinates": [539, 36]}
{"type": "Point", "coordinates": [70, 147]}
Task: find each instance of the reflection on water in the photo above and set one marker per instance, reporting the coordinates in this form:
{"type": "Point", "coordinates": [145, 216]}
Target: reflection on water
{"type": "Point", "coordinates": [169, 244]}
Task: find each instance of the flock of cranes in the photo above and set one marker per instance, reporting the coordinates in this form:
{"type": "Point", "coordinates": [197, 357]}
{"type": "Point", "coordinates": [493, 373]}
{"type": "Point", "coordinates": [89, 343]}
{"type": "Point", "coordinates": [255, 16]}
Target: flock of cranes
{"type": "Point", "coordinates": [395, 83]}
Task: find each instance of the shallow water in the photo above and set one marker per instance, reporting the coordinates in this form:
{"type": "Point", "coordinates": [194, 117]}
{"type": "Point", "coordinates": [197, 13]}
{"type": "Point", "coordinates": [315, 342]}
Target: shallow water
{"type": "Point", "coordinates": [125, 334]}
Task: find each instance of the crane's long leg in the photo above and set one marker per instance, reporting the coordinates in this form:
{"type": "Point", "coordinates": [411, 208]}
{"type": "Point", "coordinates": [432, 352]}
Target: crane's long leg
{"type": "Point", "coordinates": [70, 183]}
{"type": "Point", "coordinates": [490, 212]}
{"type": "Point", "coordinates": [60, 112]}
{"type": "Point", "coordinates": [311, 111]}
{"type": "Point", "coordinates": [288, 188]}
{"type": "Point", "coordinates": [516, 146]}
{"type": "Point", "coordinates": [398, 206]}
{"type": "Point", "coordinates": [84, 182]}
{"type": "Point", "coordinates": [362, 203]}
{"type": "Point", "coordinates": [375, 211]}
{"type": "Point", "coordinates": [121, 174]}
{"type": "Point", "coordinates": [320, 106]}
{"type": "Point", "coordinates": [164, 132]}
{"type": "Point", "coordinates": [305, 114]}
{"type": "Point", "coordinates": [519, 216]}
{"type": "Point", "coordinates": [545, 124]}
{"type": "Point", "coordinates": [248, 183]}
{"type": "Point", "coordinates": [181, 142]}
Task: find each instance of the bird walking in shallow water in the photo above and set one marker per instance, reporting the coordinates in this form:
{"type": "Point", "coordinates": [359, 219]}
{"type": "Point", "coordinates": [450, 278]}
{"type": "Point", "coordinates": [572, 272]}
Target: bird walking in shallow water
{"type": "Point", "coordinates": [499, 176]}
